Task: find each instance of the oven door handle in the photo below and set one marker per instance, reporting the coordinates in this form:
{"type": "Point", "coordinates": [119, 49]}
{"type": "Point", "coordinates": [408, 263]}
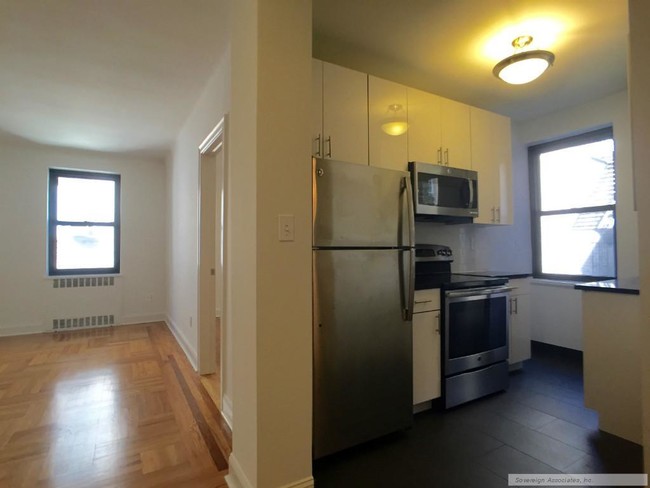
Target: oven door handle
{"type": "Point", "coordinates": [478, 292]}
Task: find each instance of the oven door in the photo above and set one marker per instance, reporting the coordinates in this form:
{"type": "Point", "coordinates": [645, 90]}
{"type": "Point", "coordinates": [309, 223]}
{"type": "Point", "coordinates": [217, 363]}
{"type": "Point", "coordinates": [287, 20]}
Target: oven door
{"type": "Point", "coordinates": [476, 328]}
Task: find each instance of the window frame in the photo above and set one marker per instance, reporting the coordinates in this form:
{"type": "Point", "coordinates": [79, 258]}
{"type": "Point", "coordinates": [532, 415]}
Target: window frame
{"type": "Point", "coordinates": [53, 222]}
{"type": "Point", "coordinates": [536, 214]}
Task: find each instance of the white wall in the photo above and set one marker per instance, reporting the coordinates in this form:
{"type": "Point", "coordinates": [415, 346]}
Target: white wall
{"type": "Point", "coordinates": [183, 189]}
{"type": "Point", "coordinates": [639, 80]}
{"type": "Point", "coordinates": [270, 174]}
{"type": "Point", "coordinates": [28, 303]}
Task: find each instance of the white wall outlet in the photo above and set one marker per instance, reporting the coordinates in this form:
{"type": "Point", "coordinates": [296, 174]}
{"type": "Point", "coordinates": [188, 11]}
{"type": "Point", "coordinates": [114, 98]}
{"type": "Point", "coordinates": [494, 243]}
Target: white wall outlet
{"type": "Point", "coordinates": [286, 230]}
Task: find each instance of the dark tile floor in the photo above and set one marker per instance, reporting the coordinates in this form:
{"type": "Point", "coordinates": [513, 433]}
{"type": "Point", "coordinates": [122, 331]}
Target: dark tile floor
{"type": "Point", "coordinates": [538, 426]}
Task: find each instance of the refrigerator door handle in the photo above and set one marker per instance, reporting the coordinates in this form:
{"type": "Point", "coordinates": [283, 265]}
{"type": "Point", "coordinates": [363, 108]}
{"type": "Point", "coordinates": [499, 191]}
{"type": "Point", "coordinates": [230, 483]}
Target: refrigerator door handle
{"type": "Point", "coordinates": [410, 286]}
{"type": "Point", "coordinates": [410, 211]}
{"type": "Point", "coordinates": [411, 295]}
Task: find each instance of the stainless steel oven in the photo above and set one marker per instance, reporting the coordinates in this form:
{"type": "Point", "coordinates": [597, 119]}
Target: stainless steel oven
{"type": "Point", "coordinates": [476, 324]}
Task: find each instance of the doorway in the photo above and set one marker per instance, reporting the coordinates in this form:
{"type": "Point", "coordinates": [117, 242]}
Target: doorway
{"type": "Point", "coordinates": [212, 328]}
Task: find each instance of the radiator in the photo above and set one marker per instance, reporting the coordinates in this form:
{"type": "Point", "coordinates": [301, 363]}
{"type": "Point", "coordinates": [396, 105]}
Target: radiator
{"type": "Point", "coordinates": [82, 302]}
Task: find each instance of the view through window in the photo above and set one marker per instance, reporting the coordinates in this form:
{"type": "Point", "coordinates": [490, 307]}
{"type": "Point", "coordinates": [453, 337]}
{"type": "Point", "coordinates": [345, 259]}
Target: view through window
{"type": "Point", "coordinates": [573, 200]}
{"type": "Point", "coordinates": [84, 223]}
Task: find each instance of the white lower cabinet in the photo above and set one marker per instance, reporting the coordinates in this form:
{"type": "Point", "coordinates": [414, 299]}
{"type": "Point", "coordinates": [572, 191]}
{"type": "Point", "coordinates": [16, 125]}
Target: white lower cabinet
{"type": "Point", "coordinates": [519, 339]}
{"type": "Point", "coordinates": [426, 346]}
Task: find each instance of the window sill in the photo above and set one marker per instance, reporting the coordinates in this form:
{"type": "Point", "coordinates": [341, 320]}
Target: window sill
{"type": "Point", "coordinates": [556, 283]}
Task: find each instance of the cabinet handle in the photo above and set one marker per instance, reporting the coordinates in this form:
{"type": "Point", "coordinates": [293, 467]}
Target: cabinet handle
{"type": "Point", "coordinates": [423, 301]}
{"type": "Point", "coordinates": [494, 219]}
{"type": "Point", "coordinates": [438, 320]}
{"type": "Point", "coordinates": [318, 146]}
{"type": "Point", "coordinates": [499, 214]}
{"type": "Point", "coordinates": [440, 155]}
{"type": "Point", "coordinates": [329, 147]}
{"type": "Point", "coordinates": [447, 157]}
{"type": "Point", "coordinates": [516, 306]}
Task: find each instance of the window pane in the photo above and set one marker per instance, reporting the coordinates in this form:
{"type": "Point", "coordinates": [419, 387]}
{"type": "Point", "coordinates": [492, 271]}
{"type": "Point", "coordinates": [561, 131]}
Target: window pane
{"type": "Point", "coordinates": [85, 200]}
{"type": "Point", "coordinates": [579, 244]}
{"type": "Point", "coordinates": [578, 176]}
{"type": "Point", "coordinates": [84, 247]}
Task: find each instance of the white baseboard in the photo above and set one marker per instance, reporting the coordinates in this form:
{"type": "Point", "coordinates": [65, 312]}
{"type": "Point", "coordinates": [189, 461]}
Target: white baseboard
{"type": "Point", "coordinates": [187, 348]}
{"type": "Point", "coordinates": [236, 477]}
{"type": "Point", "coordinates": [226, 409]}
{"type": "Point", "coordinates": [23, 330]}
{"type": "Point", "coordinates": [142, 319]}
{"type": "Point", "coordinates": [305, 483]}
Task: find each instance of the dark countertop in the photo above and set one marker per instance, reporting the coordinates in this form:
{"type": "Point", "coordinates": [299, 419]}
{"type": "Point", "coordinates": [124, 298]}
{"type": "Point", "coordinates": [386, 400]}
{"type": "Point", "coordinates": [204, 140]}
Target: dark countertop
{"type": "Point", "coordinates": [627, 286]}
{"type": "Point", "coordinates": [498, 274]}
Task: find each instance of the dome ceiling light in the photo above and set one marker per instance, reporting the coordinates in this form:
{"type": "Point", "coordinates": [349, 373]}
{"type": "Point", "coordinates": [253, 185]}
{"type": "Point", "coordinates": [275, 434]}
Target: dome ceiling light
{"type": "Point", "coordinates": [524, 66]}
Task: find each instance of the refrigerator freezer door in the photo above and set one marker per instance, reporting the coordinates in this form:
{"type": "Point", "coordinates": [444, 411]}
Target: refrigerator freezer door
{"type": "Point", "coordinates": [363, 384]}
{"type": "Point", "coordinates": [361, 206]}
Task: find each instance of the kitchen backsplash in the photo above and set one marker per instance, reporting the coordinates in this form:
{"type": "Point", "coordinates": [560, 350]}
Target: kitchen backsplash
{"type": "Point", "coordinates": [478, 248]}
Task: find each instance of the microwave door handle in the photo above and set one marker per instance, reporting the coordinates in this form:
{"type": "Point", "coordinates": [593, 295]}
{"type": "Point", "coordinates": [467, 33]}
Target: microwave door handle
{"type": "Point", "coordinates": [471, 192]}
{"type": "Point", "coordinates": [435, 193]}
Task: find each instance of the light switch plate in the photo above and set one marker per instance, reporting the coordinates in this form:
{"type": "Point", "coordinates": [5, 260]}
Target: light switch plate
{"type": "Point", "coordinates": [286, 228]}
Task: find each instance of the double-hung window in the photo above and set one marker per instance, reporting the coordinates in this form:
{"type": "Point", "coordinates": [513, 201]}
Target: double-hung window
{"type": "Point", "coordinates": [573, 207]}
{"type": "Point", "coordinates": [83, 223]}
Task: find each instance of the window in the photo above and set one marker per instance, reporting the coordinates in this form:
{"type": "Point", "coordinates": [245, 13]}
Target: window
{"type": "Point", "coordinates": [573, 207]}
{"type": "Point", "coordinates": [83, 223]}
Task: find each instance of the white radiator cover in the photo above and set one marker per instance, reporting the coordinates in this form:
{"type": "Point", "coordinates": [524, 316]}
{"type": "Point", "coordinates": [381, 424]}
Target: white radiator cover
{"type": "Point", "coordinates": [82, 302]}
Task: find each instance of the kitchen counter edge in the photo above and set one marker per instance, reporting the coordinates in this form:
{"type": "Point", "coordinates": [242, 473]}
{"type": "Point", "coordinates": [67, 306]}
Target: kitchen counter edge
{"type": "Point", "coordinates": [624, 286]}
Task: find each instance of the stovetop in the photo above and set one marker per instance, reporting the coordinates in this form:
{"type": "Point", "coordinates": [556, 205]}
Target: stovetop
{"type": "Point", "coordinates": [433, 270]}
{"type": "Point", "coordinates": [454, 281]}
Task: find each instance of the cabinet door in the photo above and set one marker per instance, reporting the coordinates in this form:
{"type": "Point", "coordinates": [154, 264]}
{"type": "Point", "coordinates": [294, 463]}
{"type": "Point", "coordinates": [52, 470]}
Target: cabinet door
{"type": "Point", "coordinates": [423, 134]}
{"type": "Point", "coordinates": [426, 356]}
{"type": "Point", "coordinates": [317, 108]}
{"type": "Point", "coordinates": [386, 103]}
{"type": "Point", "coordinates": [455, 136]}
{"type": "Point", "coordinates": [502, 133]}
{"type": "Point", "coordinates": [492, 159]}
{"type": "Point", "coordinates": [483, 163]}
{"type": "Point", "coordinates": [345, 114]}
{"type": "Point", "coordinates": [519, 336]}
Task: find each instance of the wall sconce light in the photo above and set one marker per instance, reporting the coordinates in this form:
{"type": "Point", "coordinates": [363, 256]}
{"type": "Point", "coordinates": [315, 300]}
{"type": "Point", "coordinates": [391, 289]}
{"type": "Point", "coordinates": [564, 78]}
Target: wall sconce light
{"type": "Point", "coordinates": [525, 66]}
{"type": "Point", "coordinates": [395, 123]}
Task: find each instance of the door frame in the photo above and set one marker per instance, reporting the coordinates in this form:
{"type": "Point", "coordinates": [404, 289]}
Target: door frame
{"type": "Point", "coordinates": [214, 143]}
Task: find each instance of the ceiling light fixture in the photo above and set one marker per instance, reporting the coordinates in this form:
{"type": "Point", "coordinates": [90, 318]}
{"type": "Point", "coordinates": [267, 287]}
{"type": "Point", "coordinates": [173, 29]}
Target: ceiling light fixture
{"type": "Point", "coordinates": [525, 66]}
{"type": "Point", "coordinates": [395, 123]}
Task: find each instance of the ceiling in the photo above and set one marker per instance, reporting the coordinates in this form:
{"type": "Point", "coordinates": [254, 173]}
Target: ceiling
{"type": "Point", "coordinates": [450, 47]}
{"type": "Point", "coordinates": [122, 75]}
{"type": "Point", "coordinates": [109, 75]}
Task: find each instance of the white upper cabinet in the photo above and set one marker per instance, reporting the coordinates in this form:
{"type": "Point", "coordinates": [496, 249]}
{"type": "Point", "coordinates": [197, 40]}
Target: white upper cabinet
{"type": "Point", "coordinates": [344, 134]}
{"type": "Point", "coordinates": [439, 130]}
{"type": "Point", "coordinates": [317, 108]}
{"type": "Point", "coordinates": [492, 159]}
{"type": "Point", "coordinates": [424, 130]}
{"type": "Point", "coordinates": [387, 104]}
{"type": "Point", "coordinates": [455, 125]}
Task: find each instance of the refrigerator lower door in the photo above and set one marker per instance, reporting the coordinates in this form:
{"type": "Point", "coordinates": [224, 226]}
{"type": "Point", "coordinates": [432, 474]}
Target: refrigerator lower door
{"type": "Point", "coordinates": [363, 362]}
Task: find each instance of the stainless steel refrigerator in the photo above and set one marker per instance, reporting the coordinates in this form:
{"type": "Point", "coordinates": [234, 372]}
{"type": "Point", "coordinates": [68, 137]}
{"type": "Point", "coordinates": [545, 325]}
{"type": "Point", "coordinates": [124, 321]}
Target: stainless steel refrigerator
{"type": "Point", "coordinates": [363, 272]}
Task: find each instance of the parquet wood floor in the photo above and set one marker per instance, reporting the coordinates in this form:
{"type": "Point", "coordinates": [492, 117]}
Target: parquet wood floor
{"type": "Point", "coordinates": [112, 407]}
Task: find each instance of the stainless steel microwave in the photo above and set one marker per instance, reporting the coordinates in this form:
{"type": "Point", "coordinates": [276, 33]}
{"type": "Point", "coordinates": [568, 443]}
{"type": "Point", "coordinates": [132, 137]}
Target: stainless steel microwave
{"type": "Point", "coordinates": [443, 192]}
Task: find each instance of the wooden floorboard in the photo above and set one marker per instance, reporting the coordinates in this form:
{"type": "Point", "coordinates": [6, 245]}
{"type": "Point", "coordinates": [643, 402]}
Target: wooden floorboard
{"type": "Point", "coordinates": [111, 407]}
